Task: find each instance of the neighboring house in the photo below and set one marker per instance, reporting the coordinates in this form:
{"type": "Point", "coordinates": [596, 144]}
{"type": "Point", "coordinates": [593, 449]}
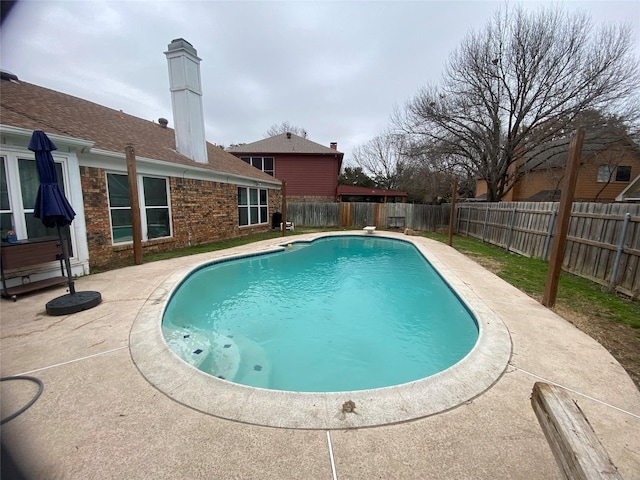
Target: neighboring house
{"type": "Point", "coordinates": [351, 193]}
{"type": "Point", "coordinates": [190, 191]}
{"type": "Point", "coordinates": [607, 167]}
{"type": "Point", "coordinates": [311, 170]}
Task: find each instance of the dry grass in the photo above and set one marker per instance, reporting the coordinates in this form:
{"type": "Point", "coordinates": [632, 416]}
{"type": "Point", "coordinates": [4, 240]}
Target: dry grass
{"type": "Point", "coordinates": [609, 319]}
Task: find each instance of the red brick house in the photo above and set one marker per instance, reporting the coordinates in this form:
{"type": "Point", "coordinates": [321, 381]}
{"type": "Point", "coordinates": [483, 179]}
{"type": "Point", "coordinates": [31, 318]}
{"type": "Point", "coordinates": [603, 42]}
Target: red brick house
{"type": "Point", "coordinates": [311, 170]}
{"type": "Point", "coordinates": [190, 191]}
{"type": "Point", "coordinates": [607, 166]}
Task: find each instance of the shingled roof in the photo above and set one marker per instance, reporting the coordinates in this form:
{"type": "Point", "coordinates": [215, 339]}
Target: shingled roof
{"type": "Point", "coordinates": [32, 107]}
{"type": "Point", "coordinates": [555, 153]}
{"type": "Point", "coordinates": [285, 143]}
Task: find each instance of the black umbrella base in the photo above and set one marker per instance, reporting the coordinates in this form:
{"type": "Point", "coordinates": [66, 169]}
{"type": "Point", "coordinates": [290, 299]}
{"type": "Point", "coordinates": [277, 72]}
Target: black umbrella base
{"type": "Point", "coordinates": [73, 303]}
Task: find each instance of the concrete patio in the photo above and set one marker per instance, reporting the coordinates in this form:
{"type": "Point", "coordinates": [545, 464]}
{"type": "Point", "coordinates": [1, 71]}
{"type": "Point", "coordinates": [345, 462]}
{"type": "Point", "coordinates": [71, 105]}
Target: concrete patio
{"type": "Point", "coordinates": [98, 417]}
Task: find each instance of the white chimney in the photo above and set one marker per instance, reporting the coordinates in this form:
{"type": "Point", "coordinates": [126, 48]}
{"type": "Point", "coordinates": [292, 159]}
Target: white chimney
{"type": "Point", "coordinates": [186, 98]}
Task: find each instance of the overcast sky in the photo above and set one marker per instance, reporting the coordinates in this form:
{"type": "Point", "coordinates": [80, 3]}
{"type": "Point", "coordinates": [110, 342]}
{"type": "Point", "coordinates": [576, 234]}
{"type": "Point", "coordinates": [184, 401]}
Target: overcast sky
{"type": "Point", "coordinates": [335, 68]}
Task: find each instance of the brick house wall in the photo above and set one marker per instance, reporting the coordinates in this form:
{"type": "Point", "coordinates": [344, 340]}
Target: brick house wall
{"type": "Point", "coordinates": [201, 212]}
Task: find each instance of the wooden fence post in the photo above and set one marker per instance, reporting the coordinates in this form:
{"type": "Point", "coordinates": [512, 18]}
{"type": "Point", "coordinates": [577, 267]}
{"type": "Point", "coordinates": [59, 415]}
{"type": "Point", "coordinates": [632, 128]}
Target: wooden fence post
{"type": "Point", "coordinates": [616, 263]}
{"type": "Point", "coordinates": [511, 226]}
{"type": "Point", "coordinates": [484, 225]}
{"type": "Point", "coordinates": [468, 220]}
{"type": "Point", "coordinates": [284, 208]}
{"type": "Point", "coordinates": [547, 242]}
{"type": "Point", "coordinates": [564, 214]}
{"type": "Point", "coordinates": [136, 225]}
{"type": "Point", "coordinates": [452, 213]}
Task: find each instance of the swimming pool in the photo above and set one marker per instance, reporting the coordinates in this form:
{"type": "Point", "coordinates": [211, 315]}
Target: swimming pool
{"type": "Point", "coordinates": [335, 314]}
{"type": "Point", "coordinates": [184, 383]}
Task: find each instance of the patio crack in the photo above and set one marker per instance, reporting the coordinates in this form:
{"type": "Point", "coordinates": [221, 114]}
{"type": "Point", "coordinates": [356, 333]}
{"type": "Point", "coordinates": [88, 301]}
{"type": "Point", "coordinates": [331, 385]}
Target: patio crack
{"type": "Point", "coordinates": [26, 334]}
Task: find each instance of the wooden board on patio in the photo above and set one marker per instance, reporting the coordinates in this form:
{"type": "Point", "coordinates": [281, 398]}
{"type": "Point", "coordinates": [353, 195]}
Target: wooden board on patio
{"type": "Point", "coordinates": [575, 445]}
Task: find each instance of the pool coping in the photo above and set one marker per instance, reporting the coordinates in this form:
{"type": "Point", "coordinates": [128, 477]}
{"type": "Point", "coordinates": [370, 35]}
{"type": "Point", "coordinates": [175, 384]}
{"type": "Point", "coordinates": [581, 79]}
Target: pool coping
{"type": "Point", "coordinates": [462, 382]}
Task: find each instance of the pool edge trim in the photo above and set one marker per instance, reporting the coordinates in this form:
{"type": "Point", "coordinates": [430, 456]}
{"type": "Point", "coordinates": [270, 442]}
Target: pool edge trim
{"type": "Point", "coordinates": [458, 384]}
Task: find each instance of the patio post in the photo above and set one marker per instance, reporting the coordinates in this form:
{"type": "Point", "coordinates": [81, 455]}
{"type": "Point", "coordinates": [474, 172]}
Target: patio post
{"type": "Point", "coordinates": [136, 228]}
{"type": "Point", "coordinates": [564, 215]}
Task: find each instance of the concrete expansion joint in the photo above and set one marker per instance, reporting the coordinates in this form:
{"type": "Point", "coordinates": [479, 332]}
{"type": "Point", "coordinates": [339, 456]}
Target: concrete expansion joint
{"type": "Point", "coordinates": [584, 395]}
{"type": "Point", "coordinates": [75, 360]}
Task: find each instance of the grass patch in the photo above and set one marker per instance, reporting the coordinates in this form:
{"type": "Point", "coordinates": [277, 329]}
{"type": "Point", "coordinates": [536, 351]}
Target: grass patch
{"type": "Point", "coordinates": [229, 243]}
{"type": "Point", "coordinates": [212, 247]}
{"type": "Point", "coordinates": [576, 294]}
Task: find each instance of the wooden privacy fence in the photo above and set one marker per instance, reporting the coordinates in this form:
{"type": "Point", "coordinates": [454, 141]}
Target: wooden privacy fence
{"type": "Point", "coordinates": [360, 214]}
{"type": "Point", "coordinates": [603, 241]}
{"type": "Point", "coordinates": [314, 214]}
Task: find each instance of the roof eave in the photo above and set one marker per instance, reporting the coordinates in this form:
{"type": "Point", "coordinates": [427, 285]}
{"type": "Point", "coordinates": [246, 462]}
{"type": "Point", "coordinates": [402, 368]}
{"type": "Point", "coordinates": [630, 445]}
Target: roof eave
{"type": "Point", "coordinates": [225, 177]}
{"type": "Point", "coordinates": [82, 144]}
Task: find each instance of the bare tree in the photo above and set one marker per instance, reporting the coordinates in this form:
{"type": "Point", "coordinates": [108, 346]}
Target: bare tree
{"type": "Point", "coordinates": [517, 84]}
{"type": "Point", "coordinates": [427, 175]}
{"type": "Point", "coordinates": [284, 127]}
{"type": "Point", "coordinates": [380, 158]}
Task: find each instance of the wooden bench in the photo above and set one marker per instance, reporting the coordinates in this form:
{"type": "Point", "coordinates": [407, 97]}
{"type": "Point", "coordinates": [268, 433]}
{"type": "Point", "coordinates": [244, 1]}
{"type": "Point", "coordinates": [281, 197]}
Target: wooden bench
{"type": "Point", "coordinates": [574, 444]}
{"type": "Point", "coordinates": [21, 255]}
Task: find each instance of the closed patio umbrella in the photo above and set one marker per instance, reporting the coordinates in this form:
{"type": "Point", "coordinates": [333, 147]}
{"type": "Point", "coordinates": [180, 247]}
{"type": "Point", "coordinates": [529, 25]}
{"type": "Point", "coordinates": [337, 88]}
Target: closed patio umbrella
{"type": "Point", "coordinates": [51, 205]}
{"type": "Point", "coordinates": [54, 210]}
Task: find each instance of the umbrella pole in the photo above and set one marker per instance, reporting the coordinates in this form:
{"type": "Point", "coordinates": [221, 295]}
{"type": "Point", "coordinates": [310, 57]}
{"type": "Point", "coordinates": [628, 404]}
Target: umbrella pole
{"type": "Point", "coordinates": [67, 263]}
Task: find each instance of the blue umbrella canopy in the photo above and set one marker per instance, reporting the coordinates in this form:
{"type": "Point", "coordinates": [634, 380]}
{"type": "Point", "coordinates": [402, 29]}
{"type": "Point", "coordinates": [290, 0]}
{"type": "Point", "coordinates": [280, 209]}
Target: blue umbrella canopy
{"type": "Point", "coordinates": [52, 207]}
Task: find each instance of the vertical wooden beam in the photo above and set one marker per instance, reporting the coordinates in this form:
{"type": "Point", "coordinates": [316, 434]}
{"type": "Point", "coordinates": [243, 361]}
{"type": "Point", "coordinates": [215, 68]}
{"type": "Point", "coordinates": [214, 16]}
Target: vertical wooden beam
{"type": "Point", "coordinates": [452, 214]}
{"type": "Point", "coordinates": [284, 207]}
{"type": "Point", "coordinates": [135, 204]}
{"type": "Point", "coordinates": [562, 224]}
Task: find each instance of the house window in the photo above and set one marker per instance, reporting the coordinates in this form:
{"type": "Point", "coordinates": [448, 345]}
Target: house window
{"type": "Point", "coordinates": [623, 173]}
{"type": "Point", "coordinates": [29, 184]}
{"type": "Point", "coordinates": [261, 163]}
{"type": "Point", "coordinates": [608, 173]}
{"type": "Point", "coordinates": [19, 185]}
{"type": "Point", "coordinates": [154, 207]}
{"type": "Point", "coordinates": [6, 217]}
{"type": "Point", "coordinates": [252, 206]}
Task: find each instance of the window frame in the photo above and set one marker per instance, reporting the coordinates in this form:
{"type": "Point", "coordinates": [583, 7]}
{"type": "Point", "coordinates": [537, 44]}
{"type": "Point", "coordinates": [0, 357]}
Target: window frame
{"type": "Point", "coordinates": [17, 211]}
{"type": "Point", "coordinates": [612, 173]}
{"type": "Point", "coordinates": [9, 210]}
{"type": "Point", "coordinates": [253, 160]}
{"type": "Point", "coordinates": [627, 168]}
{"type": "Point", "coordinates": [261, 206]}
{"type": "Point", "coordinates": [142, 205]}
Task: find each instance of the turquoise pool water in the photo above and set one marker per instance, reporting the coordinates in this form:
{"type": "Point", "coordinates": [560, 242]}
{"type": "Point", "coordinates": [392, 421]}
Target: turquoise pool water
{"type": "Point", "coordinates": [336, 314]}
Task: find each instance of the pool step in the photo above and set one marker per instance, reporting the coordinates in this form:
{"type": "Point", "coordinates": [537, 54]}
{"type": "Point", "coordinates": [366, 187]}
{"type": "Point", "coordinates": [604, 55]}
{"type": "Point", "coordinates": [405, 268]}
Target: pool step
{"type": "Point", "coordinates": [226, 355]}
{"type": "Point", "coordinates": [255, 367]}
{"type": "Point", "coordinates": [193, 347]}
